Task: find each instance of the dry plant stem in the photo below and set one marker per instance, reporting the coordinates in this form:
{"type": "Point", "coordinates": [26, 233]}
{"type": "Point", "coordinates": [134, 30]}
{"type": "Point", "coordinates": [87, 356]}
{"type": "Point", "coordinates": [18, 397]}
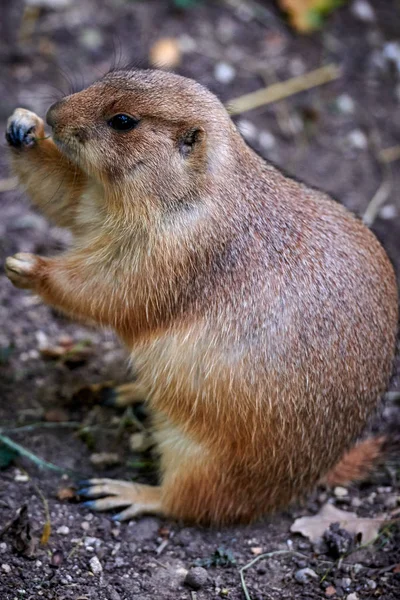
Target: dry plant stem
{"type": "Point", "coordinates": [40, 424]}
{"type": "Point", "coordinates": [392, 396]}
{"type": "Point", "coordinates": [32, 457]}
{"type": "Point", "coordinates": [284, 89]}
{"type": "Point", "coordinates": [388, 155]}
{"type": "Point", "coordinates": [377, 201]}
{"type": "Point", "coordinates": [293, 553]}
{"type": "Point", "coordinates": [47, 525]}
{"type": "Point", "coordinates": [382, 193]}
{"type": "Point", "coordinates": [261, 557]}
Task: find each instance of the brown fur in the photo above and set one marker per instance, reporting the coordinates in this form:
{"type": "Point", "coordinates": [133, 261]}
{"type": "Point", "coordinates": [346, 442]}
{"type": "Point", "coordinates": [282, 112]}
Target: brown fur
{"type": "Point", "coordinates": [260, 315]}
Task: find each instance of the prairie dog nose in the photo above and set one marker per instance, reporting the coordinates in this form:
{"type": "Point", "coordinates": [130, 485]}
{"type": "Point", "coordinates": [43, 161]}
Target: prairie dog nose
{"type": "Point", "coordinates": [51, 114]}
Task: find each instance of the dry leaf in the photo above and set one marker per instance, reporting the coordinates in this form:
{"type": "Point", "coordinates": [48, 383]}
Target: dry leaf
{"type": "Point", "coordinates": [165, 54]}
{"type": "Point", "coordinates": [56, 415]}
{"type": "Point", "coordinates": [19, 530]}
{"type": "Point", "coordinates": [314, 527]}
{"type": "Point", "coordinates": [67, 493]}
{"type": "Point", "coordinates": [70, 352]}
{"type": "Point", "coordinates": [307, 15]}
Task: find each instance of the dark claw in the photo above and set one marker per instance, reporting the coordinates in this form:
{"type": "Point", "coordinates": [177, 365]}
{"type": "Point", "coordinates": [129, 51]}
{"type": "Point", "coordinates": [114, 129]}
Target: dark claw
{"type": "Point", "coordinates": [84, 483]}
{"type": "Point", "coordinates": [18, 136]}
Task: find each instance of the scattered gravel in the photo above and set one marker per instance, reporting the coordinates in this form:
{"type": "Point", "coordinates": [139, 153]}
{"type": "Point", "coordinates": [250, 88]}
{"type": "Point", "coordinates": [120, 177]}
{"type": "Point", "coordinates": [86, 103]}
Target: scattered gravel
{"type": "Point", "coordinates": [304, 575]}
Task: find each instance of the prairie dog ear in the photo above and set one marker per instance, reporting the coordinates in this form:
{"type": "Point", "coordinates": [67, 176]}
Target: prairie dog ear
{"type": "Point", "coordinates": [191, 139]}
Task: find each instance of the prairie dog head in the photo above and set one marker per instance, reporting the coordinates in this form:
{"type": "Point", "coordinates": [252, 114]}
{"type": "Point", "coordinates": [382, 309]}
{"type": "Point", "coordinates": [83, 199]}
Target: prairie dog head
{"type": "Point", "coordinates": [159, 133]}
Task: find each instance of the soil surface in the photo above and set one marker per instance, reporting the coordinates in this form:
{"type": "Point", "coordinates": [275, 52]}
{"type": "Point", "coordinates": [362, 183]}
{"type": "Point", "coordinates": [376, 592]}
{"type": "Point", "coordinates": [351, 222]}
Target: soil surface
{"type": "Point", "coordinates": [332, 137]}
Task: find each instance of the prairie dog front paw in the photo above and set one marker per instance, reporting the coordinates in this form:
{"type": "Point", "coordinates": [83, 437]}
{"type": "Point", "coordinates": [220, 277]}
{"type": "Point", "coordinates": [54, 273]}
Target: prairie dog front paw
{"type": "Point", "coordinates": [22, 270]}
{"type": "Point", "coordinates": [23, 128]}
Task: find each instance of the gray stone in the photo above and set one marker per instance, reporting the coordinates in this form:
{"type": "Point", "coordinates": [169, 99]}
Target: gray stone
{"type": "Point", "coordinates": [196, 578]}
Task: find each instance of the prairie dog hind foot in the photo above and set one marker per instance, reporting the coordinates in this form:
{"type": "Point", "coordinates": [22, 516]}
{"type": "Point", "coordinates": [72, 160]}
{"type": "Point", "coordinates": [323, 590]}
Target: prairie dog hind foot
{"type": "Point", "coordinates": [109, 494]}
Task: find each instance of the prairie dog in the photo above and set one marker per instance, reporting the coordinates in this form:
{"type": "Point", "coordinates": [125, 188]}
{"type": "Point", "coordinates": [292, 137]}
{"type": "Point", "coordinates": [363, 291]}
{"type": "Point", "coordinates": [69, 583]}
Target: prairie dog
{"type": "Point", "coordinates": [260, 315]}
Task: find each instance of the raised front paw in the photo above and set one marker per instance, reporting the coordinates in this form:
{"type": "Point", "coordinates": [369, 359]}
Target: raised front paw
{"type": "Point", "coordinates": [22, 270]}
{"type": "Point", "coordinates": [23, 128]}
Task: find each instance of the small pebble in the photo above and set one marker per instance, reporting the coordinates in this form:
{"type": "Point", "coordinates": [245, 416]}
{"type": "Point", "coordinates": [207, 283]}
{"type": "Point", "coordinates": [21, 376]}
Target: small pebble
{"type": "Point", "coordinates": [95, 565]}
{"type": "Point", "coordinates": [356, 502]}
{"type": "Point", "coordinates": [6, 568]}
{"type": "Point", "coordinates": [363, 11]}
{"type": "Point", "coordinates": [186, 43]}
{"type": "Point", "coordinates": [140, 441]}
{"type": "Point", "coordinates": [91, 38]}
{"type": "Point", "coordinates": [85, 526]}
{"type": "Point", "coordinates": [391, 51]}
{"type": "Point", "coordinates": [104, 459]}
{"type": "Point", "coordinates": [372, 585]}
{"type": "Point", "coordinates": [340, 492]}
{"type": "Point", "coordinates": [330, 591]}
{"type": "Point", "coordinates": [247, 129]}
{"type": "Point", "coordinates": [56, 559]}
{"type": "Point", "coordinates": [345, 104]}
{"type": "Point", "coordinates": [357, 139]}
{"type": "Point", "coordinates": [346, 582]}
{"type": "Point", "coordinates": [63, 530]}
{"type": "Point", "coordinates": [91, 541]}
{"type": "Point", "coordinates": [21, 477]}
{"type": "Point", "coordinates": [3, 547]}
{"type": "Point", "coordinates": [297, 67]}
{"type": "Point", "coordinates": [266, 140]}
{"type": "Point", "coordinates": [224, 72]}
{"type": "Point", "coordinates": [196, 578]}
{"type": "Point", "coordinates": [305, 575]}
{"type": "Point", "coordinates": [353, 596]}
{"type": "Point", "coordinates": [387, 212]}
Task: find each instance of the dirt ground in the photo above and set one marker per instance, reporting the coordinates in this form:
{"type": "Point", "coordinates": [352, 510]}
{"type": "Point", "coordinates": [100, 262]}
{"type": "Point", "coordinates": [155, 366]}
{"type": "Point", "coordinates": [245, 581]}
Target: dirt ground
{"type": "Point", "coordinates": [332, 137]}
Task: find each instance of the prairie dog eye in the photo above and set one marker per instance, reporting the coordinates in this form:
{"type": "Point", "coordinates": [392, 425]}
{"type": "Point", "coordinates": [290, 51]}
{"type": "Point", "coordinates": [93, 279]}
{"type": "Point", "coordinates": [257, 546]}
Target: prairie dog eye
{"type": "Point", "coordinates": [122, 122]}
